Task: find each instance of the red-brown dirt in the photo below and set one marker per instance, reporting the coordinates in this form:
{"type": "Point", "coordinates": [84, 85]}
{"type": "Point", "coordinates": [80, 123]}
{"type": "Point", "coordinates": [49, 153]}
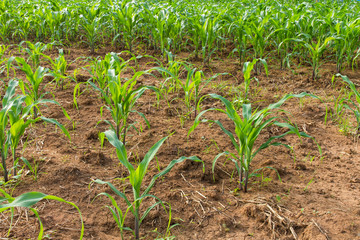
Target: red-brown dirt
{"type": "Point", "coordinates": [317, 198]}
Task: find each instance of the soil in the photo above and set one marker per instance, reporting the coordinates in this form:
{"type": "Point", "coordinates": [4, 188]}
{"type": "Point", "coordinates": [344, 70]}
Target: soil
{"type": "Point", "coordinates": [316, 198]}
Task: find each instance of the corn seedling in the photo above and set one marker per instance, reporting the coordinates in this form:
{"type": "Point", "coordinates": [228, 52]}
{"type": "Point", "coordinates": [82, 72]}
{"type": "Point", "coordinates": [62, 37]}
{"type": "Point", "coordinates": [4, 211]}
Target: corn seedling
{"type": "Point", "coordinates": [247, 68]}
{"type": "Point", "coordinates": [59, 67]}
{"type": "Point", "coordinates": [35, 51]}
{"type": "Point", "coordinates": [208, 36]}
{"type": "Point", "coordinates": [352, 105]}
{"type": "Point", "coordinates": [191, 85]}
{"type": "Point", "coordinates": [28, 200]}
{"type": "Point", "coordinates": [170, 73]}
{"type": "Point", "coordinates": [247, 130]}
{"type": "Point", "coordinates": [3, 60]}
{"type": "Point", "coordinates": [315, 50]}
{"type": "Point", "coordinates": [91, 27]}
{"type": "Point", "coordinates": [32, 87]}
{"type": "Point", "coordinates": [256, 33]}
{"type": "Point", "coordinates": [237, 28]}
{"type": "Point", "coordinates": [136, 177]}
{"type": "Point", "coordinates": [103, 70]}
{"type": "Point", "coordinates": [125, 18]}
{"type": "Point", "coordinates": [34, 169]}
{"type": "Point", "coordinates": [14, 121]}
{"type": "Point", "coordinates": [120, 99]}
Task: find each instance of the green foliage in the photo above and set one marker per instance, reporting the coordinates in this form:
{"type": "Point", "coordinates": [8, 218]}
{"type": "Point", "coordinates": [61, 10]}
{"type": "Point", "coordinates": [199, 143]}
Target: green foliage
{"type": "Point", "coordinates": [247, 130]}
{"type": "Point", "coordinates": [33, 168]}
{"type": "Point", "coordinates": [14, 120]}
{"type": "Point", "coordinates": [28, 200]}
{"type": "Point", "coordinates": [192, 86]}
{"type": "Point", "coordinates": [102, 71]}
{"type": "Point", "coordinates": [35, 51]}
{"type": "Point", "coordinates": [349, 103]}
{"type": "Point", "coordinates": [32, 88]}
{"type": "Point", "coordinates": [136, 178]}
{"type": "Point", "coordinates": [90, 22]}
{"type": "Point", "coordinates": [120, 99]}
{"type": "Point", "coordinates": [315, 51]}
{"type": "Point", "coordinates": [247, 68]}
{"type": "Point", "coordinates": [253, 29]}
{"type": "Point", "coordinates": [125, 17]}
{"type": "Point", "coordinates": [59, 67]}
{"type": "Point", "coordinates": [3, 60]}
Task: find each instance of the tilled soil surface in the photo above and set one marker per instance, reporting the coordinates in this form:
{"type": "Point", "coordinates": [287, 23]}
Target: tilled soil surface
{"type": "Point", "coordinates": [317, 197]}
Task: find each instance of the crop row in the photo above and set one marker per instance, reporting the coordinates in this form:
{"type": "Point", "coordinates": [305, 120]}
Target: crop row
{"type": "Point", "coordinates": [284, 30]}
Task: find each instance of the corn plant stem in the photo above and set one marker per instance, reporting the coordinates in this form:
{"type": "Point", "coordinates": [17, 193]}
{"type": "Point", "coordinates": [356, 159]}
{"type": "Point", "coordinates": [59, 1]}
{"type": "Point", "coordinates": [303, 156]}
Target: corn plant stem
{"type": "Point", "coordinates": [35, 113]}
{"type": "Point", "coordinates": [4, 166]}
{"type": "Point", "coordinates": [246, 181]}
{"type": "Point", "coordinates": [137, 227]}
{"type": "Point", "coordinates": [125, 130]}
{"type": "Point", "coordinates": [14, 160]}
{"type": "Point", "coordinates": [118, 131]}
{"type": "Point", "coordinates": [240, 179]}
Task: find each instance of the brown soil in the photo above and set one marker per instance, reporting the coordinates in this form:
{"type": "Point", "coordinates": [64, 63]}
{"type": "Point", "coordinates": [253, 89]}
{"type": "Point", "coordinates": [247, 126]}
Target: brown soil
{"type": "Point", "coordinates": [318, 198]}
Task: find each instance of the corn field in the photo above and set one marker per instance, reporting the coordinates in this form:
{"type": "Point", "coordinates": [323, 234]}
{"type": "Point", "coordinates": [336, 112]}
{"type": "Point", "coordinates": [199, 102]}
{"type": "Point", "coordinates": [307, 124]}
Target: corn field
{"type": "Point", "coordinates": [179, 119]}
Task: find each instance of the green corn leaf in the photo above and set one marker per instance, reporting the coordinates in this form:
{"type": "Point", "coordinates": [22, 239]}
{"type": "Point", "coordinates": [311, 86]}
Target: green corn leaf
{"type": "Point", "coordinates": [31, 198]}
{"type": "Point", "coordinates": [120, 149]}
{"type": "Point", "coordinates": [138, 176]}
{"type": "Point", "coordinates": [55, 122]}
{"type": "Point", "coordinates": [169, 167]}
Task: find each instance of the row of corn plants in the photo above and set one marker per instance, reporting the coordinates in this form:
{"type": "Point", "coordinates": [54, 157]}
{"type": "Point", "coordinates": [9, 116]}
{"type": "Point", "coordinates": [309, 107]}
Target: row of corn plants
{"type": "Point", "coordinates": [18, 113]}
{"type": "Point", "coordinates": [304, 31]}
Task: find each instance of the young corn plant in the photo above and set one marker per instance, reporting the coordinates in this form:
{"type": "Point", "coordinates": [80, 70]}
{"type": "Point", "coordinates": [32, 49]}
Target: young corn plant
{"type": "Point", "coordinates": [28, 200]}
{"type": "Point", "coordinates": [247, 129]}
{"type": "Point", "coordinates": [164, 23]}
{"type": "Point", "coordinates": [90, 21]}
{"type": "Point", "coordinates": [7, 21]}
{"type": "Point", "coordinates": [340, 45]}
{"type": "Point", "coordinates": [125, 18]}
{"type": "Point", "coordinates": [32, 88]}
{"type": "Point", "coordinates": [247, 68]}
{"type": "Point", "coordinates": [136, 178]}
{"type": "Point", "coordinates": [92, 30]}
{"type": "Point", "coordinates": [258, 37]}
{"type": "Point", "coordinates": [195, 31]}
{"type": "Point", "coordinates": [355, 59]}
{"type": "Point", "coordinates": [3, 60]}
{"type": "Point", "coordinates": [315, 50]}
{"type": "Point", "coordinates": [35, 51]}
{"type": "Point", "coordinates": [101, 70]}
{"type": "Point", "coordinates": [237, 28]}
{"type": "Point", "coordinates": [194, 83]}
{"type": "Point", "coordinates": [170, 72]}
{"type": "Point", "coordinates": [14, 118]}
{"type": "Point", "coordinates": [191, 88]}
{"type": "Point", "coordinates": [208, 35]}
{"type": "Point", "coordinates": [352, 105]}
{"type": "Point", "coordinates": [4, 132]}
{"type": "Point", "coordinates": [59, 67]}
{"type": "Point", "coordinates": [120, 99]}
